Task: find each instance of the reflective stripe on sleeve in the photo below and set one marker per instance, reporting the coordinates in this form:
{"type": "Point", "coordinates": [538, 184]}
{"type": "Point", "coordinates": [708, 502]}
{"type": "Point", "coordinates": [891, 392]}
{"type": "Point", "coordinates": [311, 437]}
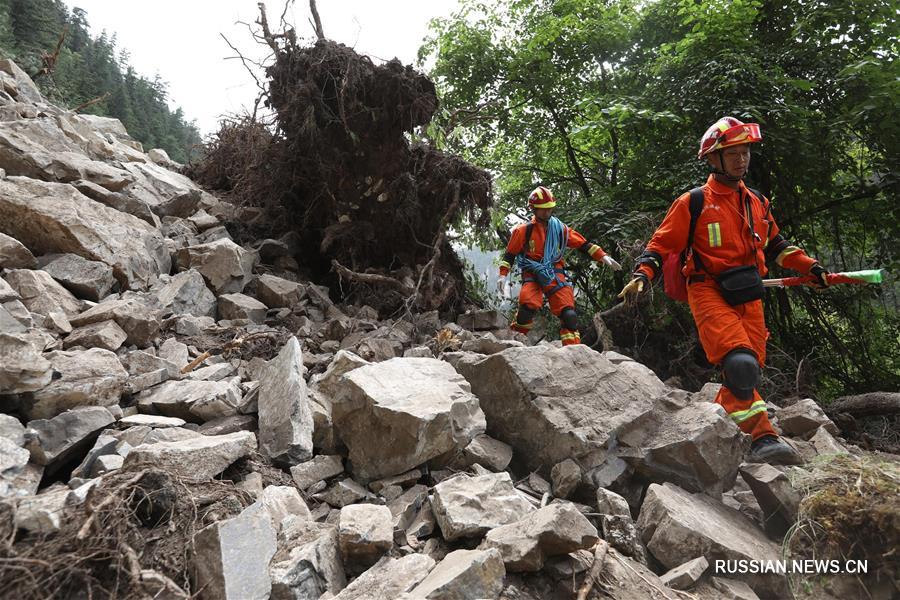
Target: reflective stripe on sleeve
{"type": "Point", "coordinates": [742, 415]}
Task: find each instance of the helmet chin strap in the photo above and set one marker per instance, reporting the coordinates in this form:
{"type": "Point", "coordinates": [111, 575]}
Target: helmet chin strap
{"type": "Point", "coordinates": [720, 170]}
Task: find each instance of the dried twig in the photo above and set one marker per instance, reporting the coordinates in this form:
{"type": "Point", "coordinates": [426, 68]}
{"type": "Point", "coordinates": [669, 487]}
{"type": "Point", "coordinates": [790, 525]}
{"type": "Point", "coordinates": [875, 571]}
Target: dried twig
{"type": "Point", "coordinates": [600, 550]}
{"type": "Point", "coordinates": [49, 60]}
{"type": "Point", "coordinates": [112, 496]}
{"type": "Point", "coordinates": [371, 278]}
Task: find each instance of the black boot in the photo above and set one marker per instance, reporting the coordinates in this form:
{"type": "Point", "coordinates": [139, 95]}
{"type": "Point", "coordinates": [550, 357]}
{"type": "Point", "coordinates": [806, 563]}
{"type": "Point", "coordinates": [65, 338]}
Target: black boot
{"type": "Point", "coordinates": [770, 449]}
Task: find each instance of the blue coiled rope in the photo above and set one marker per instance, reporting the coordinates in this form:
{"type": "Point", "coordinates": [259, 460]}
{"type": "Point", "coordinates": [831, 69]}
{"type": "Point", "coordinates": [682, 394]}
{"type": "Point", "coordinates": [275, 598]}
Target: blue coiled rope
{"type": "Point", "coordinates": [554, 245]}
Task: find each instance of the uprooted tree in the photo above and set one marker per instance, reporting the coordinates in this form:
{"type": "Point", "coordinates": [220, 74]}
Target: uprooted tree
{"type": "Point", "coordinates": [337, 166]}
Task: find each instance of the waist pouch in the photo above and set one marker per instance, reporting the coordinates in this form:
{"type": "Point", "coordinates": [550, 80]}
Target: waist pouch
{"type": "Point", "coordinates": [740, 285]}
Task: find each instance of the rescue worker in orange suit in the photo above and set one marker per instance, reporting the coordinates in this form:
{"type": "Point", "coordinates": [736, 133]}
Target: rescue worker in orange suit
{"type": "Point", "coordinates": [734, 230]}
{"type": "Point", "coordinates": [538, 248]}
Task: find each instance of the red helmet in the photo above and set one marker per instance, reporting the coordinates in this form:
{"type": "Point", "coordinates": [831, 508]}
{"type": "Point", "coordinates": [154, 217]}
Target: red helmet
{"type": "Point", "coordinates": [541, 197]}
{"type": "Point", "coordinates": [726, 132]}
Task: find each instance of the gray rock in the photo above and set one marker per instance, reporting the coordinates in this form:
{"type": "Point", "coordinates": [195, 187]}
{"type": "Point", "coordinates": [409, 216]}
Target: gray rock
{"type": "Point", "coordinates": [461, 575]}
{"type": "Point", "coordinates": [198, 458]}
{"type": "Point", "coordinates": [566, 477]}
{"type": "Point", "coordinates": [389, 578]}
{"type": "Point", "coordinates": [804, 417]}
{"type": "Point", "coordinates": [185, 293]}
{"type": "Point", "coordinates": [225, 266]}
{"type": "Point", "coordinates": [483, 320]}
{"type": "Point", "coordinates": [365, 534]}
{"type": "Point", "coordinates": [329, 383]}
{"type": "Point", "coordinates": [229, 424]}
{"type": "Point", "coordinates": [41, 294]}
{"type": "Point", "coordinates": [308, 563]}
{"type": "Point", "coordinates": [320, 467]}
{"type": "Point", "coordinates": [91, 377]}
{"type": "Point", "coordinates": [285, 416]}
{"type": "Point", "coordinates": [825, 443]}
{"type": "Point", "coordinates": [276, 292]}
{"type": "Point", "coordinates": [405, 507]}
{"type": "Point", "coordinates": [489, 344]}
{"type": "Point", "coordinates": [137, 319]}
{"type": "Point", "coordinates": [283, 502]}
{"type": "Point", "coordinates": [103, 334]}
{"type": "Point", "coordinates": [154, 421]}
{"type": "Point", "coordinates": [87, 279]}
{"type": "Point", "coordinates": [231, 557]}
{"type": "Point", "coordinates": [22, 367]}
{"type": "Point", "coordinates": [194, 401]}
{"type": "Point", "coordinates": [56, 218]}
{"type": "Point", "coordinates": [11, 325]}
{"type": "Point", "coordinates": [677, 525]}
{"type": "Point", "coordinates": [684, 576]}
{"type": "Point", "coordinates": [343, 493]}
{"type": "Point", "coordinates": [777, 498]}
{"type": "Point", "coordinates": [13, 460]}
{"type": "Point", "coordinates": [216, 372]}
{"type": "Point", "coordinates": [52, 442]}
{"type": "Point", "coordinates": [38, 149]}
{"type": "Point", "coordinates": [730, 589]}
{"type": "Point", "coordinates": [556, 529]}
{"type": "Point", "coordinates": [551, 404]}
{"type": "Point", "coordinates": [14, 254]}
{"type": "Point", "coordinates": [57, 322]}
{"type": "Point", "coordinates": [485, 451]}
{"type": "Point", "coordinates": [470, 506]}
{"type": "Point", "coordinates": [12, 429]}
{"type": "Point", "coordinates": [42, 514]}
{"type": "Point", "coordinates": [105, 464]}
{"type": "Point", "coordinates": [239, 306]}
{"type": "Point", "coordinates": [175, 352]}
{"type": "Point", "coordinates": [421, 404]}
{"type": "Point", "coordinates": [403, 480]}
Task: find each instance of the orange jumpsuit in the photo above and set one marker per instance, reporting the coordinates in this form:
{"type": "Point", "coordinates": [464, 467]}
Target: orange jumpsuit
{"type": "Point", "coordinates": [722, 240]}
{"type": "Point", "coordinates": [532, 294]}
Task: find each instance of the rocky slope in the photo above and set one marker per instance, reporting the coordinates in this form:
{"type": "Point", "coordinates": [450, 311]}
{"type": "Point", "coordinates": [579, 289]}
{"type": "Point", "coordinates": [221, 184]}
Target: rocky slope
{"type": "Point", "coordinates": [183, 415]}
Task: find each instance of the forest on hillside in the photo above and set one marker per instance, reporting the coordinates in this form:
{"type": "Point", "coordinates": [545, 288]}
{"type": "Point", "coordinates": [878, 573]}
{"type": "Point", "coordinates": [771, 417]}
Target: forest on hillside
{"type": "Point", "coordinates": [84, 68]}
{"type": "Point", "coordinates": [605, 103]}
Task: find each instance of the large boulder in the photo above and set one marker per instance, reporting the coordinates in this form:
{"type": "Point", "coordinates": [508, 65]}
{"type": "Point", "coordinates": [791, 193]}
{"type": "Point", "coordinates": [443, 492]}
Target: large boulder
{"type": "Point", "coordinates": [678, 526]}
{"type": "Point", "coordinates": [421, 405]}
{"type": "Point", "coordinates": [57, 218]}
{"type": "Point", "coordinates": [166, 192]}
{"type": "Point", "coordinates": [551, 404]}
{"type": "Point", "coordinates": [285, 416]}
{"type": "Point", "coordinates": [94, 377]}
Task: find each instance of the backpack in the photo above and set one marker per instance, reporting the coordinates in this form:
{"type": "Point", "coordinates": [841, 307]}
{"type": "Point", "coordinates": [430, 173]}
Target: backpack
{"type": "Point", "coordinates": [674, 282]}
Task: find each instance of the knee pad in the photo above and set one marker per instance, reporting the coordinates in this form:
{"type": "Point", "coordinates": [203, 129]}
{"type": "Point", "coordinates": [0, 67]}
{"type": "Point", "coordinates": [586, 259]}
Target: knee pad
{"type": "Point", "coordinates": [525, 314]}
{"type": "Point", "coordinates": [569, 318]}
{"type": "Point", "coordinates": [741, 373]}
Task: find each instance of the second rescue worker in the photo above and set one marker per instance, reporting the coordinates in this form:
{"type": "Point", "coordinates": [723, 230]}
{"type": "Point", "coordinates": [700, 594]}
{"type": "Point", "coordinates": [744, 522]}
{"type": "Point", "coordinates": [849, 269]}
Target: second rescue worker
{"type": "Point", "coordinates": [538, 248]}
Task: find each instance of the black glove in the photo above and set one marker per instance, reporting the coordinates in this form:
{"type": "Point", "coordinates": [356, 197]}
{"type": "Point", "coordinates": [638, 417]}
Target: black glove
{"type": "Point", "coordinates": [821, 275]}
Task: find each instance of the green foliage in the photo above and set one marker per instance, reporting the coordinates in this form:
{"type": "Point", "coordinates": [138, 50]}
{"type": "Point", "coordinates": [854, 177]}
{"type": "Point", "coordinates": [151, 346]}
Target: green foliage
{"type": "Point", "coordinates": [88, 68]}
{"type": "Point", "coordinates": [606, 101]}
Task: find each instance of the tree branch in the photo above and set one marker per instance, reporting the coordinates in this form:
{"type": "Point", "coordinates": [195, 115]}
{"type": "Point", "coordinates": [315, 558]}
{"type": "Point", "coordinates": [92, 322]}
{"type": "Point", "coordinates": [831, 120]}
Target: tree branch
{"type": "Point", "coordinates": [320, 34]}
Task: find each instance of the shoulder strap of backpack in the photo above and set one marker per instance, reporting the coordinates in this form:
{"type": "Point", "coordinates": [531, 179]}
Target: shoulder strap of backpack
{"type": "Point", "coordinates": [528, 229]}
{"type": "Point", "coordinates": [696, 207]}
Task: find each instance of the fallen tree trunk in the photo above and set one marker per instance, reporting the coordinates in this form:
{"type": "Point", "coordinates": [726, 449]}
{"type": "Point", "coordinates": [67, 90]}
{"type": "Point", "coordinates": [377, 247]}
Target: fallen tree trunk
{"type": "Point", "coordinates": [873, 404]}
